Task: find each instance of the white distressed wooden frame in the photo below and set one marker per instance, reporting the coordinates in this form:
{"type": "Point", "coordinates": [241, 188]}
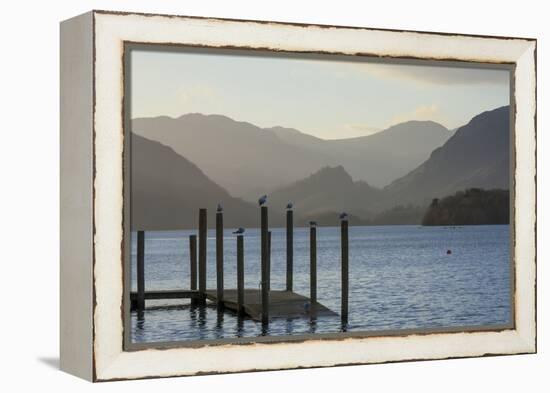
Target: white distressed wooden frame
{"type": "Point", "coordinates": [92, 195]}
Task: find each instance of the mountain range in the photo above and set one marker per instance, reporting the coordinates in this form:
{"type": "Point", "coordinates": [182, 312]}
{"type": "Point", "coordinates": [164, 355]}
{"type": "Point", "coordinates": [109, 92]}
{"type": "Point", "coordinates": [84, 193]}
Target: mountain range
{"type": "Point", "coordinates": [248, 160]}
{"type": "Point", "coordinates": [331, 189]}
{"type": "Point", "coordinates": [167, 190]}
{"type": "Point", "coordinates": [168, 187]}
{"type": "Point", "coordinates": [377, 158]}
{"type": "Point", "coordinates": [476, 156]}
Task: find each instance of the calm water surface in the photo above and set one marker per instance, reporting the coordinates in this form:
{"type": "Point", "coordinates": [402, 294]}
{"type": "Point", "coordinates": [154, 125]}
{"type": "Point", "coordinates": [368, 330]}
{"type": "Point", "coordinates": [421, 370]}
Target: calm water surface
{"type": "Point", "coordinates": [400, 278]}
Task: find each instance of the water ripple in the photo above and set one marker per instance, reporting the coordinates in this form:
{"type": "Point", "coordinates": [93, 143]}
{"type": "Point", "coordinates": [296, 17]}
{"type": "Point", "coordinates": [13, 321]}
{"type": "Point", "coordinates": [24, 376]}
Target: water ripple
{"type": "Point", "coordinates": [400, 278]}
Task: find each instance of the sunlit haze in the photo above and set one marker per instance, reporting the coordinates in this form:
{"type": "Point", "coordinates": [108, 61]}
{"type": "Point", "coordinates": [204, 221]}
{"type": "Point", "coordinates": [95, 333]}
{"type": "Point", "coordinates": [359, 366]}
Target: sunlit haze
{"type": "Point", "coordinates": [328, 99]}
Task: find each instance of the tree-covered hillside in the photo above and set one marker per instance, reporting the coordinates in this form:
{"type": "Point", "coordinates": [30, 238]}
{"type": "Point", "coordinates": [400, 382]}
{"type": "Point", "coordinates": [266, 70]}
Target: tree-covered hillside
{"type": "Point", "coordinates": [471, 207]}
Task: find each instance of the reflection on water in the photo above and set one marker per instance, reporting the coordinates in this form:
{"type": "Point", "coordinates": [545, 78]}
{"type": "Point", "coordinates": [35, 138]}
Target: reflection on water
{"type": "Point", "coordinates": [400, 277]}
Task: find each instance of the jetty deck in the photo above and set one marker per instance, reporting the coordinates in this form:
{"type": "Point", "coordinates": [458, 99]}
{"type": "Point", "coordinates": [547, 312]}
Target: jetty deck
{"type": "Point", "coordinates": [282, 303]}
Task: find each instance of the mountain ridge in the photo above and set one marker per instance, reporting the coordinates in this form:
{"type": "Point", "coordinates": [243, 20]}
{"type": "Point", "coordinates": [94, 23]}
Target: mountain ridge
{"type": "Point", "coordinates": [168, 188]}
{"type": "Point", "coordinates": [223, 148]}
{"type": "Point", "coordinates": [167, 191]}
{"type": "Point", "coordinates": [331, 189]}
{"type": "Point", "coordinates": [476, 156]}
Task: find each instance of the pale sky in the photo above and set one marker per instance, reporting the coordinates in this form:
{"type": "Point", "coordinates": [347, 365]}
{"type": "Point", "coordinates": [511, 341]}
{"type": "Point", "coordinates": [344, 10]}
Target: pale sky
{"type": "Point", "coordinates": [328, 99]}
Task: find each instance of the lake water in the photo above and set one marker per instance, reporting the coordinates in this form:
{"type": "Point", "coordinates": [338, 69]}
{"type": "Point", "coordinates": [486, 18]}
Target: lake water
{"type": "Point", "coordinates": [400, 278]}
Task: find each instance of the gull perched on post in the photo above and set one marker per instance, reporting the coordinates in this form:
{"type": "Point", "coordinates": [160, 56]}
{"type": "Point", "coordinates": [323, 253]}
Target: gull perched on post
{"type": "Point", "coordinates": [219, 208]}
{"type": "Point", "coordinates": [289, 205]}
{"type": "Point", "coordinates": [343, 216]}
{"type": "Point", "coordinates": [313, 223]}
{"type": "Point", "coordinates": [239, 231]}
{"type": "Point", "coordinates": [262, 200]}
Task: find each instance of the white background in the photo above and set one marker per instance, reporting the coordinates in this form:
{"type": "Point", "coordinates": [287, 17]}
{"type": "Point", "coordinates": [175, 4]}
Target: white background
{"type": "Point", "coordinates": [29, 197]}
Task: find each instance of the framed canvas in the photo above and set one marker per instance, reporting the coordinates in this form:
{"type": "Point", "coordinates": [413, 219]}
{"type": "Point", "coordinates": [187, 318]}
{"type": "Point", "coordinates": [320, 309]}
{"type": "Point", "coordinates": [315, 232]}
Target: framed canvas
{"type": "Point", "coordinates": [245, 195]}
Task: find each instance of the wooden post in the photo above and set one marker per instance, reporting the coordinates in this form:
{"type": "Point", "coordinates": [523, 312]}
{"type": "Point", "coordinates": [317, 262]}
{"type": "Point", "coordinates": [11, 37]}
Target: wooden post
{"type": "Point", "coordinates": [240, 275]}
{"type": "Point", "coordinates": [193, 265]}
{"type": "Point", "coordinates": [345, 270]}
{"type": "Point", "coordinates": [264, 265]}
{"type": "Point", "coordinates": [313, 265]}
{"type": "Point", "coordinates": [219, 259]}
{"type": "Point", "coordinates": [269, 260]}
{"type": "Point", "coordinates": [289, 249]}
{"type": "Point", "coordinates": [202, 255]}
{"type": "Point", "coordinates": [140, 271]}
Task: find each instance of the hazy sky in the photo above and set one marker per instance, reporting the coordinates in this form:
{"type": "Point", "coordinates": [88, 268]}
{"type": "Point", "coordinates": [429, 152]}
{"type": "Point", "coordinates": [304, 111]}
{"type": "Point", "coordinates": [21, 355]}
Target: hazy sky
{"type": "Point", "coordinates": [328, 99]}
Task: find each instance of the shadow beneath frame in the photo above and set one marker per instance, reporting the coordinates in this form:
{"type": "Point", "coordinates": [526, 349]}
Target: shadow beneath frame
{"type": "Point", "coordinates": [52, 362]}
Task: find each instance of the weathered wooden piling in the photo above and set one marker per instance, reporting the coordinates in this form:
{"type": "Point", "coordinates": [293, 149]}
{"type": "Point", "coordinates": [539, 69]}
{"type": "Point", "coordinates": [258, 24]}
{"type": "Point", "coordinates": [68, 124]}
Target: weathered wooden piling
{"type": "Point", "coordinates": [269, 260]}
{"type": "Point", "coordinates": [313, 264]}
{"type": "Point", "coordinates": [289, 249]}
{"type": "Point", "coordinates": [140, 270]}
{"type": "Point", "coordinates": [240, 275]}
{"type": "Point", "coordinates": [345, 270]}
{"type": "Point", "coordinates": [202, 254]}
{"type": "Point", "coordinates": [193, 265]}
{"type": "Point", "coordinates": [264, 265]}
{"type": "Point", "coordinates": [219, 258]}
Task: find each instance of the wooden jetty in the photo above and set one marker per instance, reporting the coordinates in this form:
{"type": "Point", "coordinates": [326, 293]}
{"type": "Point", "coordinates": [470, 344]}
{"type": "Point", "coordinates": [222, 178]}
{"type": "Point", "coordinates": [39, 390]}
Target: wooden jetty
{"type": "Point", "coordinates": [260, 304]}
{"type": "Point", "coordinates": [282, 304]}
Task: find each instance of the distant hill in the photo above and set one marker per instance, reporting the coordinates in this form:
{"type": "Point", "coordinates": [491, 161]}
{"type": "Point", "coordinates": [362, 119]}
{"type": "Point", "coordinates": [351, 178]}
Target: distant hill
{"type": "Point", "coordinates": [248, 160]}
{"type": "Point", "coordinates": [167, 191]}
{"type": "Point", "coordinates": [326, 219]}
{"type": "Point", "coordinates": [471, 207]}
{"type": "Point", "coordinates": [476, 156]}
{"type": "Point", "coordinates": [329, 191]}
{"type": "Point", "coordinates": [398, 215]}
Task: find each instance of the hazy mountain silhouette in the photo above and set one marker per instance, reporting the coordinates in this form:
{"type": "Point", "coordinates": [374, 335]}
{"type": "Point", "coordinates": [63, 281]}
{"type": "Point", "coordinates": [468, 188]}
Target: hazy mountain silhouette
{"type": "Point", "coordinates": [248, 160]}
{"type": "Point", "coordinates": [476, 156]}
{"type": "Point", "coordinates": [242, 158]}
{"type": "Point", "coordinates": [327, 192]}
{"type": "Point", "coordinates": [378, 158]}
{"type": "Point", "coordinates": [168, 188]}
{"type": "Point", "coordinates": [167, 191]}
{"type": "Point", "coordinates": [327, 219]}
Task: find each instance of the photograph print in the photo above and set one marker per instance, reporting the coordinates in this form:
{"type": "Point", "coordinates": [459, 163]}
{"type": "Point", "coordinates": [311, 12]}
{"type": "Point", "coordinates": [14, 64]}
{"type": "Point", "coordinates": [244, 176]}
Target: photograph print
{"type": "Point", "coordinates": [281, 196]}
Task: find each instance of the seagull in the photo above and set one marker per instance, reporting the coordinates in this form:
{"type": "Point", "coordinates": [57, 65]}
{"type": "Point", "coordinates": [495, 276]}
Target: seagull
{"type": "Point", "coordinates": [239, 231]}
{"type": "Point", "coordinates": [262, 200]}
{"type": "Point", "coordinates": [343, 216]}
{"type": "Point", "coordinates": [220, 208]}
{"type": "Point", "coordinates": [313, 223]}
{"type": "Point", "coordinates": [289, 205]}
